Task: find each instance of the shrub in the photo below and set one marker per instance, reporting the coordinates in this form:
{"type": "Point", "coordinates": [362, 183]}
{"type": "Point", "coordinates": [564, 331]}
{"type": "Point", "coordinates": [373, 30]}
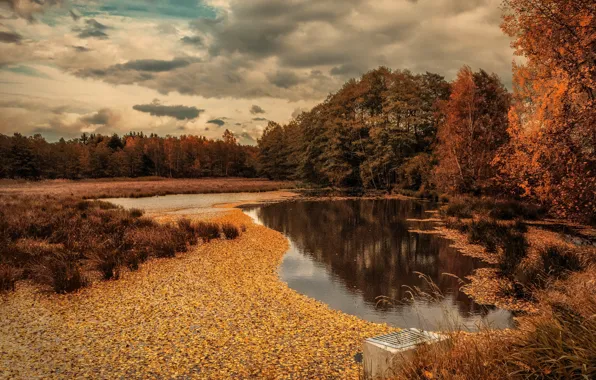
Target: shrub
{"type": "Point", "coordinates": [189, 229]}
{"type": "Point", "coordinates": [559, 347]}
{"type": "Point", "coordinates": [208, 231]}
{"type": "Point", "coordinates": [62, 272]}
{"type": "Point", "coordinates": [108, 262]}
{"type": "Point", "coordinates": [8, 277]}
{"type": "Point", "coordinates": [514, 251]}
{"type": "Point", "coordinates": [558, 260]}
{"type": "Point", "coordinates": [458, 209]}
{"type": "Point", "coordinates": [136, 213]}
{"type": "Point", "coordinates": [230, 231]}
{"type": "Point", "coordinates": [487, 232]}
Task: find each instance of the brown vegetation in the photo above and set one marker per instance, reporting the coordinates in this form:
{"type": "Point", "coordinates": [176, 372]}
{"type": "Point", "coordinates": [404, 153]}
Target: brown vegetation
{"type": "Point", "coordinates": [62, 242]}
{"type": "Point", "coordinates": [140, 187]}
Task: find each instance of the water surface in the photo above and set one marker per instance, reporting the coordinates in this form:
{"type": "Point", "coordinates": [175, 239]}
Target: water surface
{"type": "Point", "coordinates": [193, 203]}
{"type": "Point", "coordinates": [347, 253]}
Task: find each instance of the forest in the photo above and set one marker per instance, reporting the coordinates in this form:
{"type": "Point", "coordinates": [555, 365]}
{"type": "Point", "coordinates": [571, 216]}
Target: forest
{"type": "Point", "coordinates": [393, 129]}
{"type": "Point", "coordinates": [131, 155]}
{"type": "Point", "coordinates": [396, 130]}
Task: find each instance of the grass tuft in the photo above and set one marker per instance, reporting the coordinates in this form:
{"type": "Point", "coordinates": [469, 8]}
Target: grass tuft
{"type": "Point", "coordinates": [230, 231]}
{"type": "Point", "coordinates": [208, 231]}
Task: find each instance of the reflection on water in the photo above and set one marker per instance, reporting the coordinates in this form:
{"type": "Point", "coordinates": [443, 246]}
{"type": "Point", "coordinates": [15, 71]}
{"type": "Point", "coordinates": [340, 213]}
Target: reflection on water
{"type": "Point", "coordinates": [347, 253]}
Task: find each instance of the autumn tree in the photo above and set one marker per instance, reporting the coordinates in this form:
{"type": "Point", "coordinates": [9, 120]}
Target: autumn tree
{"type": "Point", "coordinates": [551, 157]}
{"type": "Point", "coordinates": [475, 126]}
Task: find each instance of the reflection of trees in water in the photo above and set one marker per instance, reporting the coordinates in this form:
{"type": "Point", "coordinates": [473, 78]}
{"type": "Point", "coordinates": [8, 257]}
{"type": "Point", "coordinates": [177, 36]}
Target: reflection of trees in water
{"type": "Point", "coordinates": [367, 245]}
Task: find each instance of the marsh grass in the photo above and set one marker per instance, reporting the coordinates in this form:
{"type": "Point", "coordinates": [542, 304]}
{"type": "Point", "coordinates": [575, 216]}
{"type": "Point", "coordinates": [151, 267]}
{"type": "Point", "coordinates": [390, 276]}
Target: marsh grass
{"type": "Point", "coordinates": [466, 207]}
{"type": "Point", "coordinates": [230, 231]}
{"type": "Point", "coordinates": [208, 231]}
{"type": "Point", "coordinates": [8, 277]}
{"type": "Point", "coordinates": [556, 342]}
{"type": "Point", "coordinates": [54, 241]}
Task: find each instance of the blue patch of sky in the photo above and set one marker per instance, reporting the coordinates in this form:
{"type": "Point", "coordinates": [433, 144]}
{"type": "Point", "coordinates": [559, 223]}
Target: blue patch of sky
{"type": "Point", "coordinates": [151, 9]}
{"type": "Point", "coordinates": [26, 70]}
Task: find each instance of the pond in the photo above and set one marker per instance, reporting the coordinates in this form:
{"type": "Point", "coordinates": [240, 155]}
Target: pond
{"type": "Point", "coordinates": [347, 253]}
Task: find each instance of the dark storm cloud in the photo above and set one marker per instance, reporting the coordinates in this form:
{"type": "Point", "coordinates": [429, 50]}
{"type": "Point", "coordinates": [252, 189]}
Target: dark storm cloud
{"type": "Point", "coordinates": [192, 40]}
{"type": "Point", "coordinates": [155, 65]}
{"type": "Point", "coordinates": [284, 79]}
{"type": "Point", "coordinates": [256, 109]}
{"type": "Point", "coordinates": [143, 71]}
{"type": "Point", "coordinates": [10, 37]}
{"type": "Point", "coordinates": [304, 49]}
{"type": "Point", "coordinates": [179, 112]}
{"type": "Point", "coordinates": [93, 29]}
{"type": "Point", "coordinates": [74, 14]}
{"type": "Point", "coordinates": [102, 117]}
{"type": "Point", "coordinates": [347, 70]}
{"type": "Point", "coordinates": [259, 119]}
{"type": "Point", "coordinates": [218, 122]}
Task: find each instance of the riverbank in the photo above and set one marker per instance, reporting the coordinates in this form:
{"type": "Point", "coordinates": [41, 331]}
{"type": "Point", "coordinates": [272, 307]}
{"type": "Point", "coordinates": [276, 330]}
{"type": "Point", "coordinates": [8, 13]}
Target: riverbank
{"type": "Point", "coordinates": [219, 311]}
{"type": "Point", "coordinates": [545, 270]}
{"type": "Point", "coordinates": [139, 187]}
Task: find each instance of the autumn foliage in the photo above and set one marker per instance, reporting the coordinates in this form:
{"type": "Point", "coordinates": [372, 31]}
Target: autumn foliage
{"type": "Point", "coordinates": [552, 154]}
{"type": "Point", "coordinates": [475, 126]}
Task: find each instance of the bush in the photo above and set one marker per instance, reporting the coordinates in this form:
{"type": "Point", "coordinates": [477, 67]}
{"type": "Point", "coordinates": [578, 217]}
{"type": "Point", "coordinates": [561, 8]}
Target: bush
{"type": "Point", "coordinates": [62, 272]}
{"type": "Point", "coordinates": [558, 261]}
{"type": "Point", "coordinates": [514, 251]}
{"type": "Point", "coordinates": [108, 262]}
{"type": "Point", "coordinates": [8, 277]}
{"type": "Point", "coordinates": [208, 231]}
{"type": "Point", "coordinates": [230, 231]}
{"type": "Point", "coordinates": [190, 230]}
{"type": "Point", "coordinates": [560, 347]}
{"type": "Point", "coordinates": [136, 213]}
{"type": "Point", "coordinates": [458, 209]}
{"type": "Point", "coordinates": [488, 233]}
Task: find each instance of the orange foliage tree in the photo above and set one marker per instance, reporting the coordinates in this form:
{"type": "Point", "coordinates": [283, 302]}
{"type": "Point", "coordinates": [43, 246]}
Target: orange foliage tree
{"type": "Point", "coordinates": [474, 127]}
{"type": "Point", "coordinates": [551, 156]}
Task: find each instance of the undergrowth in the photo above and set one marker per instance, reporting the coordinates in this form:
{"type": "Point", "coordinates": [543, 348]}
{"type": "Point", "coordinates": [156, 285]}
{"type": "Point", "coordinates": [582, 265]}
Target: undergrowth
{"type": "Point", "coordinates": [59, 242]}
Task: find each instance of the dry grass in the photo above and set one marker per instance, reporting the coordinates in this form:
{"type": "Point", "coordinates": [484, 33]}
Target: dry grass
{"type": "Point", "coordinates": [140, 187]}
{"type": "Point", "coordinates": [557, 334]}
{"type": "Point", "coordinates": [61, 242]}
{"type": "Point", "coordinates": [218, 313]}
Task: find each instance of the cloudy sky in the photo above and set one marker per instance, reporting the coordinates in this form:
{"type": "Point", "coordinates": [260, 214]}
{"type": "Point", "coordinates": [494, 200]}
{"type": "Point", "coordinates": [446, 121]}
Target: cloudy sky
{"type": "Point", "coordinates": [201, 66]}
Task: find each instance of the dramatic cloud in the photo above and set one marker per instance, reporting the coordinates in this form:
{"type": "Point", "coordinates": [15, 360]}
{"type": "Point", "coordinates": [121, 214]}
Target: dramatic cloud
{"type": "Point", "coordinates": [10, 37]}
{"type": "Point", "coordinates": [102, 117]}
{"type": "Point", "coordinates": [218, 122]}
{"type": "Point", "coordinates": [256, 110]}
{"type": "Point", "coordinates": [227, 55]}
{"type": "Point", "coordinates": [93, 29]}
{"type": "Point", "coordinates": [192, 40]}
{"type": "Point", "coordinates": [178, 112]}
{"type": "Point", "coordinates": [27, 8]}
{"type": "Point", "coordinates": [284, 79]}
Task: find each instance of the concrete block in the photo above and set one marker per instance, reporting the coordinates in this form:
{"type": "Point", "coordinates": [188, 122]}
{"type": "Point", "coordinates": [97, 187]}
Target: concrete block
{"type": "Point", "coordinates": [381, 353]}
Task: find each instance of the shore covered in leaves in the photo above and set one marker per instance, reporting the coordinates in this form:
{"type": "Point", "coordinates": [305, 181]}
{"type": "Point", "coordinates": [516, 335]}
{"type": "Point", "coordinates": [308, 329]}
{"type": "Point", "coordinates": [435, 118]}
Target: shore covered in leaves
{"type": "Point", "coordinates": [219, 311]}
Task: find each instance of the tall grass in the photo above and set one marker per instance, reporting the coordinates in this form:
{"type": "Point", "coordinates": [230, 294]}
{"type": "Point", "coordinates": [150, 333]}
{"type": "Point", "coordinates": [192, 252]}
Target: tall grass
{"type": "Point", "coordinates": [466, 207]}
{"type": "Point", "coordinates": [557, 342]}
{"type": "Point", "coordinates": [54, 241]}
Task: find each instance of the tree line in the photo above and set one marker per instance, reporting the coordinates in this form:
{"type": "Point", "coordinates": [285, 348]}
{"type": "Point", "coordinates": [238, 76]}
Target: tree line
{"type": "Point", "coordinates": [395, 129]}
{"type": "Point", "coordinates": [131, 155]}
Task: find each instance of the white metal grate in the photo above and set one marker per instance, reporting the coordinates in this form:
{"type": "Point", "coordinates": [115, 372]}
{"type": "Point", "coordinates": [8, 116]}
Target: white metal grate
{"type": "Point", "coordinates": [405, 338]}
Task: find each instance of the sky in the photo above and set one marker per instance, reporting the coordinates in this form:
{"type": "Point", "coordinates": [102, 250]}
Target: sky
{"type": "Point", "coordinates": [202, 66]}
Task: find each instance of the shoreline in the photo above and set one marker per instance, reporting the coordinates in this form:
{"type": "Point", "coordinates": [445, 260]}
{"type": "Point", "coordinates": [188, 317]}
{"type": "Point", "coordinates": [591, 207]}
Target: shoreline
{"type": "Point", "coordinates": [214, 312]}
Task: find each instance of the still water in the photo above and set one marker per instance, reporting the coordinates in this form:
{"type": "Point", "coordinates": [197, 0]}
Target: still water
{"type": "Point", "coordinates": [347, 253]}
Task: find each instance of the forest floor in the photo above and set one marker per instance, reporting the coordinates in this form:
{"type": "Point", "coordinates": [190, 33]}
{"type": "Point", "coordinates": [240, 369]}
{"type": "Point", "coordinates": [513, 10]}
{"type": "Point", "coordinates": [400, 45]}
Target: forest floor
{"type": "Point", "coordinates": [140, 187]}
{"type": "Point", "coordinates": [219, 311]}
